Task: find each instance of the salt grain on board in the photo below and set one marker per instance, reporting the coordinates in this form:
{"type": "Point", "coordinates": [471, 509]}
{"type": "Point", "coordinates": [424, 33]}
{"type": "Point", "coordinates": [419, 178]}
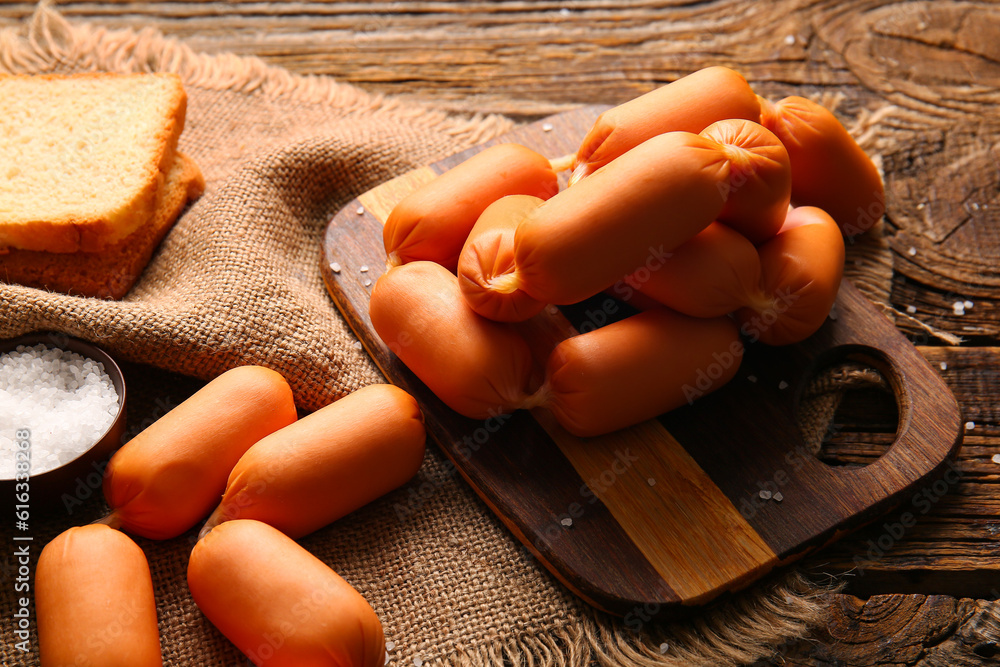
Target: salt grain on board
{"type": "Point", "coordinates": [65, 400]}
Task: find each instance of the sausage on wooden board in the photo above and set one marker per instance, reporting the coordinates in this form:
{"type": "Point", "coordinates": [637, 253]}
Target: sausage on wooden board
{"type": "Point", "coordinates": [489, 252]}
{"type": "Point", "coordinates": [432, 222]}
{"type": "Point", "coordinates": [637, 368]}
{"type": "Point", "coordinates": [478, 367]}
{"type": "Point", "coordinates": [639, 208]}
{"type": "Point", "coordinates": [689, 104]}
{"type": "Point", "coordinates": [801, 269]}
{"type": "Point", "coordinates": [714, 274]}
{"type": "Point", "coordinates": [645, 203]}
{"type": "Point", "coordinates": [829, 169]}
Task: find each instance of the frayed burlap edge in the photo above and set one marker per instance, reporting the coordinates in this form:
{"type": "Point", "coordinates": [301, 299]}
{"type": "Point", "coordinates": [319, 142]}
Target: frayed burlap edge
{"type": "Point", "coordinates": [742, 629]}
{"type": "Point", "coordinates": [49, 40]}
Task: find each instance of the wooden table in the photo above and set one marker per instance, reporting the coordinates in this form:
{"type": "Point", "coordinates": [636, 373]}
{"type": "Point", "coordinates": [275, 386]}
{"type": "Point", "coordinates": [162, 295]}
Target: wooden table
{"type": "Point", "coordinates": [930, 598]}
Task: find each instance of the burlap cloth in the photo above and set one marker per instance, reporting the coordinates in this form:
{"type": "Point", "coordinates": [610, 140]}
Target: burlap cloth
{"type": "Point", "coordinates": [236, 282]}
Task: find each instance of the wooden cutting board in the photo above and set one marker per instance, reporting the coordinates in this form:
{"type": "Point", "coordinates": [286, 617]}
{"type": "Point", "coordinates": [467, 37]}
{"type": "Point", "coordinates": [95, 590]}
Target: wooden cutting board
{"type": "Point", "coordinates": [668, 514]}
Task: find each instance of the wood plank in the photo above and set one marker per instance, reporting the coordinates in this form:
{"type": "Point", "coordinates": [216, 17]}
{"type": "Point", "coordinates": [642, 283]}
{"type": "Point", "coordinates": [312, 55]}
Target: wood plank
{"type": "Point", "coordinates": [522, 58]}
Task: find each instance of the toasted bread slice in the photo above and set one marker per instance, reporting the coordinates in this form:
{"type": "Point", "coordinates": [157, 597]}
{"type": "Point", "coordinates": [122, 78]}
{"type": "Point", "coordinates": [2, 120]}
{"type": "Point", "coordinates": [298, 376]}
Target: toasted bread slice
{"type": "Point", "coordinates": [82, 157]}
{"type": "Point", "coordinates": [110, 273]}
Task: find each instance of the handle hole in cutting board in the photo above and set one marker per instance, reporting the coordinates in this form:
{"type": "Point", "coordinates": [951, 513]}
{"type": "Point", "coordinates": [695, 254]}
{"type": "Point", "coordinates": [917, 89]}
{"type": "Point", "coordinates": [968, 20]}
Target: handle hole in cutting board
{"type": "Point", "coordinates": [853, 417]}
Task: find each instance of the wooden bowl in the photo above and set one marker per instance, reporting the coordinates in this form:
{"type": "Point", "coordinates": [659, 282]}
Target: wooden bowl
{"type": "Point", "coordinates": [67, 486]}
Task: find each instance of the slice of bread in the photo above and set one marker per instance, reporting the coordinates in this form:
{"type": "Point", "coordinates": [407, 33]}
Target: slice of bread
{"type": "Point", "coordinates": [111, 272]}
{"type": "Point", "coordinates": [83, 157]}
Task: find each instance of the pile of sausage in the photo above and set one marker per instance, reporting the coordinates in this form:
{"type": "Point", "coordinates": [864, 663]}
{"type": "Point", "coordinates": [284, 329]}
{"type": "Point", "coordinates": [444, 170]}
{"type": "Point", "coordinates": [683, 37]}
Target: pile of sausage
{"type": "Point", "coordinates": [720, 215]}
{"type": "Point", "coordinates": [236, 446]}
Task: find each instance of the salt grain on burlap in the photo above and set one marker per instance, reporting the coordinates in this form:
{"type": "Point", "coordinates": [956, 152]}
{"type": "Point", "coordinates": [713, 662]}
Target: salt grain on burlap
{"type": "Point", "coordinates": [65, 400]}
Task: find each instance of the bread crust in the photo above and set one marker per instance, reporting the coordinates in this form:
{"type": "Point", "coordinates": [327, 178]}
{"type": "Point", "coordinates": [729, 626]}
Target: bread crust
{"type": "Point", "coordinates": [93, 228]}
{"type": "Point", "coordinates": [111, 272]}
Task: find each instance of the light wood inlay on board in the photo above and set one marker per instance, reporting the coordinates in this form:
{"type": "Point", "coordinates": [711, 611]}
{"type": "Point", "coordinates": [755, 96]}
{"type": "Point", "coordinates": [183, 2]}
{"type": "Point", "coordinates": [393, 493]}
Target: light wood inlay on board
{"type": "Point", "coordinates": [681, 522]}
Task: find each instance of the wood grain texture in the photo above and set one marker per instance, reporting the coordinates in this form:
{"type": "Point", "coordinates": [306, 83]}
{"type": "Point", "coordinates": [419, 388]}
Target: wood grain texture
{"type": "Point", "coordinates": [901, 631]}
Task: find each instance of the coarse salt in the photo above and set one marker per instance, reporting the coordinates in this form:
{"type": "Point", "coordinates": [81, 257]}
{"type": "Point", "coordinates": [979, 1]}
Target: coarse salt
{"type": "Point", "coordinates": [911, 309]}
{"type": "Point", "coordinates": [65, 401]}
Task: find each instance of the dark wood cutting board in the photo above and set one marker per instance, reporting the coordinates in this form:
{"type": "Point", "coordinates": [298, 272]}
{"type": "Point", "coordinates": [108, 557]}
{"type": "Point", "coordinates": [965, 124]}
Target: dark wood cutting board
{"type": "Point", "coordinates": [668, 514]}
